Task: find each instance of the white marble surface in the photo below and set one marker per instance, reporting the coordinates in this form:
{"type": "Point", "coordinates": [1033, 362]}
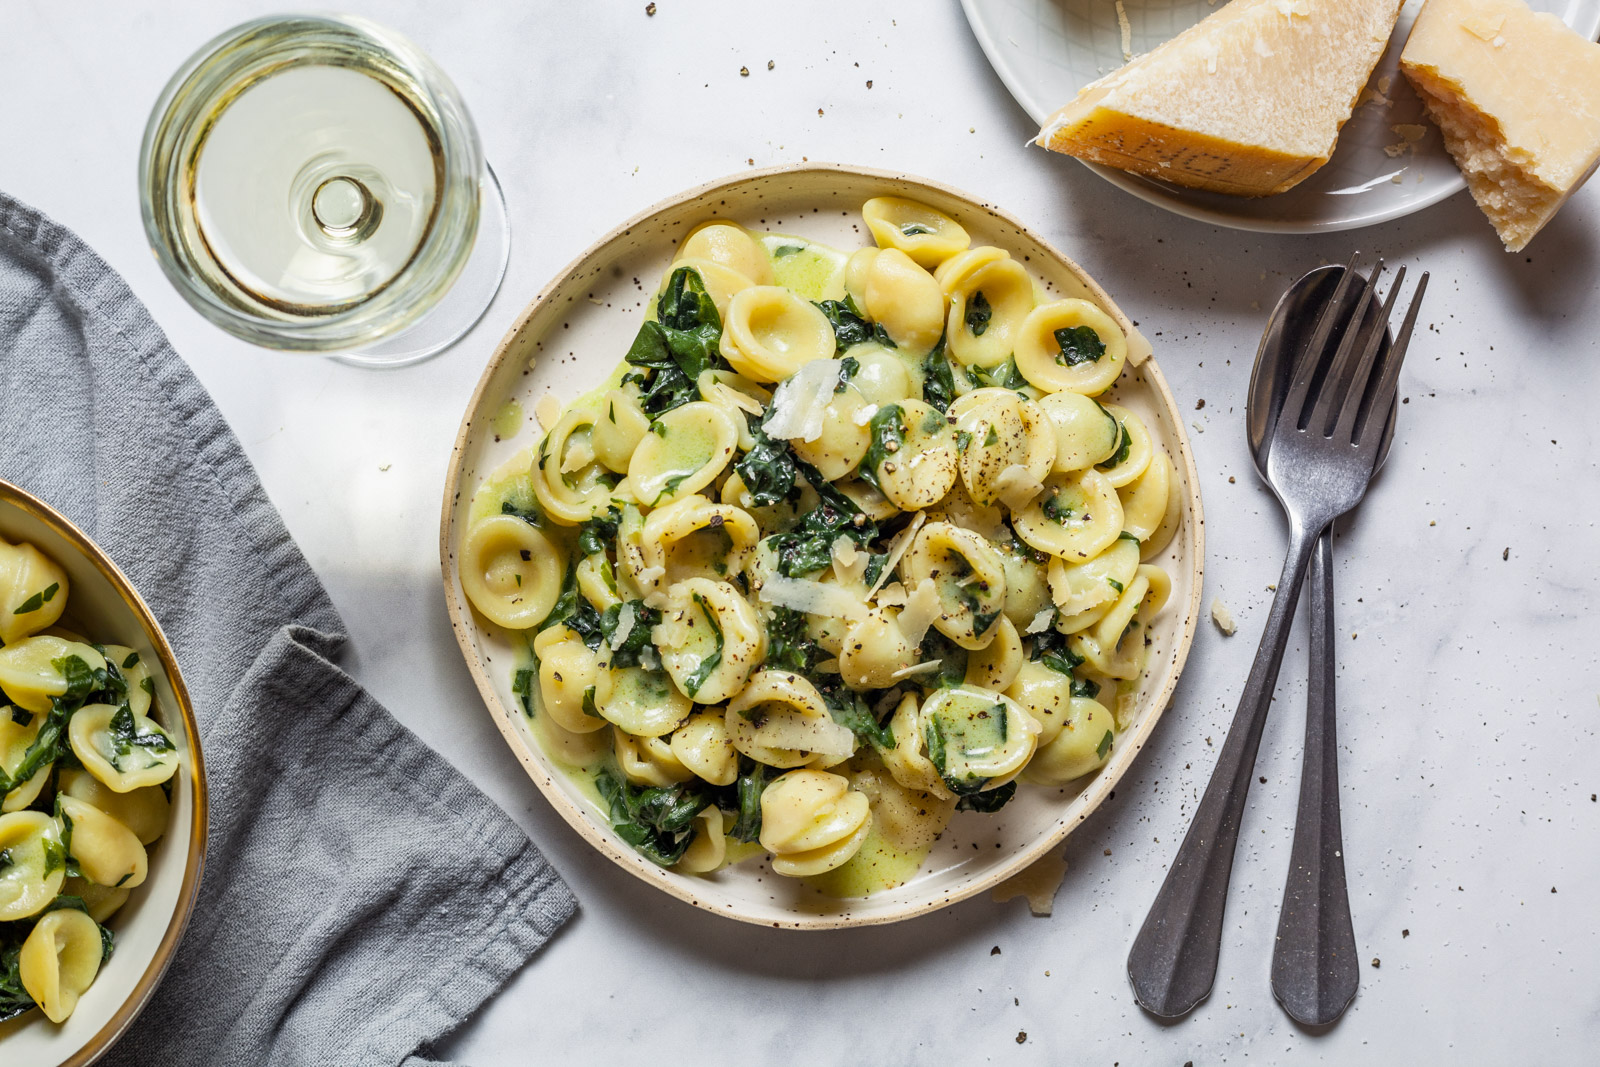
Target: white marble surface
{"type": "Point", "coordinates": [1469, 682]}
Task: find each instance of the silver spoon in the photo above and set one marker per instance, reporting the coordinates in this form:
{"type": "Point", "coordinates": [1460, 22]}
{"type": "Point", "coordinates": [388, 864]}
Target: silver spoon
{"type": "Point", "coordinates": [1314, 966]}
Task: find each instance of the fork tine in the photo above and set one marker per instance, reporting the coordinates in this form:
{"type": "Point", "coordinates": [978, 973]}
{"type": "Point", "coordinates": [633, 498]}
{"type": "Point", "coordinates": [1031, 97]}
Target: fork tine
{"type": "Point", "coordinates": [1336, 384]}
{"type": "Point", "coordinates": [1370, 431]}
{"type": "Point", "coordinates": [1306, 369]}
{"type": "Point", "coordinates": [1362, 376]}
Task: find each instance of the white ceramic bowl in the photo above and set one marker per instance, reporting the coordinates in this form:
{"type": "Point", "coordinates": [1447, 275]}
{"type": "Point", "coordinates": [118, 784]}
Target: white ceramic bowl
{"type": "Point", "coordinates": [103, 605]}
{"type": "Point", "coordinates": [577, 329]}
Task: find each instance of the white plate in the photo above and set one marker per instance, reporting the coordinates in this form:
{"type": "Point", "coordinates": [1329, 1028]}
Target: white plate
{"type": "Point", "coordinates": [1046, 50]}
{"type": "Point", "coordinates": [576, 330]}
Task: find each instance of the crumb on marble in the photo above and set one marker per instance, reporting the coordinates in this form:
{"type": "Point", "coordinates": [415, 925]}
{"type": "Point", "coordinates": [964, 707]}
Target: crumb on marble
{"type": "Point", "coordinates": [1223, 617]}
{"type": "Point", "coordinates": [650, 9]}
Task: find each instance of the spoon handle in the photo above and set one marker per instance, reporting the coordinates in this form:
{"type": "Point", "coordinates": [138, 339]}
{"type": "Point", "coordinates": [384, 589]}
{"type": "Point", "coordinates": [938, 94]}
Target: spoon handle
{"type": "Point", "coordinates": [1174, 958]}
{"type": "Point", "coordinates": [1314, 967]}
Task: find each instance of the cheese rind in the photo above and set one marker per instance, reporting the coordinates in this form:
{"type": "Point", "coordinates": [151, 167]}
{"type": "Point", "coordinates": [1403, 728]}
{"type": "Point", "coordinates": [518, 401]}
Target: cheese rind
{"type": "Point", "coordinates": [1249, 101]}
{"type": "Point", "coordinates": [1516, 96]}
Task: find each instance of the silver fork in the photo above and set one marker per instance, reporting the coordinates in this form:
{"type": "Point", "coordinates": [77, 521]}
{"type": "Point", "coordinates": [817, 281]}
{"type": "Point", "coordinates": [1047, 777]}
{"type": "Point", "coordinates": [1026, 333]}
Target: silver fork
{"type": "Point", "coordinates": [1324, 448]}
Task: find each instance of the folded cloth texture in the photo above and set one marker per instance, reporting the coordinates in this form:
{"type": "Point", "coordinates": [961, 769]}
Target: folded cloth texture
{"type": "Point", "coordinates": [361, 897]}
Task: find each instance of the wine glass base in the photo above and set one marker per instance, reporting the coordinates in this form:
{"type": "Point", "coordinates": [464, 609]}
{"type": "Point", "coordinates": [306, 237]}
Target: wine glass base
{"type": "Point", "coordinates": [463, 305]}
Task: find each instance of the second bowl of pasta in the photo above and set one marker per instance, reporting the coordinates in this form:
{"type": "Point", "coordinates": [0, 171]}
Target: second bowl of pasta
{"type": "Point", "coordinates": [102, 793]}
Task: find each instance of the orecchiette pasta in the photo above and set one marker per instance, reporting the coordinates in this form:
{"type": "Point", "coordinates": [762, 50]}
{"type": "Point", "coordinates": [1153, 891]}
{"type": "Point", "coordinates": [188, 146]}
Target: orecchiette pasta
{"type": "Point", "coordinates": [730, 246]}
{"type": "Point", "coordinates": [59, 961]}
{"type": "Point", "coordinates": [618, 429]}
{"type": "Point", "coordinates": [812, 821]}
{"type": "Point", "coordinates": [709, 639]}
{"type": "Point", "coordinates": [568, 673]}
{"type": "Point", "coordinates": [35, 863]}
{"type": "Point", "coordinates": [1070, 346]}
{"type": "Point", "coordinates": [683, 453]}
{"type": "Point", "coordinates": [1133, 451]}
{"type": "Point", "coordinates": [876, 557]}
{"type": "Point", "coordinates": [572, 484]}
{"type": "Point", "coordinates": [28, 672]}
{"type": "Point", "coordinates": [925, 234]}
{"type": "Point", "coordinates": [84, 764]}
{"type": "Point", "coordinates": [648, 761]}
{"type": "Point", "coordinates": [904, 299]}
{"type": "Point", "coordinates": [143, 811]}
{"type": "Point", "coordinates": [123, 750]}
{"type": "Point", "coordinates": [987, 309]}
{"type": "Point", "coordinates": [33, 591]}
{"type": "Point", "coordinates": [107, 852]}
{"type": "Point", "coordinates": [722, 282]}
{"type": "Point", "coordinates": [771, 333]}
{"type": "Point", "coordinates": [509, 571]}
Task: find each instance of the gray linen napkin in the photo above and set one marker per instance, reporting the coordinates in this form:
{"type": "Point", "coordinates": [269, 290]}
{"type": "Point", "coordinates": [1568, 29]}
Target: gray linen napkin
{"type": "Point", "coordinates": [361, 897]}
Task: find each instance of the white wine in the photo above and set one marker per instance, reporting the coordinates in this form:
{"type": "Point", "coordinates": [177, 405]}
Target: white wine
{"type": "Point", "coordinates": [313, 182]}
{"type": "Point", "coordinates": [315, 187]}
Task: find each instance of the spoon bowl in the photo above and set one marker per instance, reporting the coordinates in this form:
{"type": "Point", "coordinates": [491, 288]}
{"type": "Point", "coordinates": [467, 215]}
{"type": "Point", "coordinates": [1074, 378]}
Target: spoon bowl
{"type": "Point", "coordinates": [1287, 336]}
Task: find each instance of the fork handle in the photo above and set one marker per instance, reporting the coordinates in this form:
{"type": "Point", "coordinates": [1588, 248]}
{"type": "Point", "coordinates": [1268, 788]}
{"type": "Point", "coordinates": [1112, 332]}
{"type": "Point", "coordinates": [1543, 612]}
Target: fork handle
{"type": "Point", "coordinates": [1173, 962]}
{"type": "Point", "coordinates": [1314, 967]}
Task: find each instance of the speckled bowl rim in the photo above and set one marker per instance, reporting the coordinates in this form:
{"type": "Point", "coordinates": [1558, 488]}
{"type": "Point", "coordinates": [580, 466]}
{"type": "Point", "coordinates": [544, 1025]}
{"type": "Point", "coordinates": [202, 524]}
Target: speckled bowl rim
{"type": "Point", "coordinates": [534, 761]}
{"type": "Point", "coordinates": [199, 821]}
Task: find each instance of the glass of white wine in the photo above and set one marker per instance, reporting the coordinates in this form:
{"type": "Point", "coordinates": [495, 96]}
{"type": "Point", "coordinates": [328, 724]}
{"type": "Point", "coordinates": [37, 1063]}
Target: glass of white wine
{"type": "Point", "coordinates": [315, 183]}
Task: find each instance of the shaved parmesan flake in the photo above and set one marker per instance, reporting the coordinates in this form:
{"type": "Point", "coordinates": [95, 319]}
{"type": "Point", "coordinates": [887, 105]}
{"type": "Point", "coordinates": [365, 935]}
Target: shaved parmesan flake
{"type": "Point", "coordinates": [1127, 32]}
{"type": "Point", "coordinates": [547, 410]}
{"type": "Point", "coordinates": [625, 620]}
{"type": "Point", "coordinates": [864, 416]}
{"type": "Point", "coordinates": [579, 455]}
{"type": "Point", "coordinates": [915, 668]}
{"type": "Point", "coordinates": [897, 548]}
{"type": "Point", "coordinates": [849, 563]}
{"type": "Point", "coordinates": [892, 595]}
{"type": "Point", "coordinates": [1016, 487]}
{"type": "Point", "coordinates": [813, 598]}
{"type": "Point", "coordinates": [922, 607]}
{"type": "Point", "coordinates": [801, 402]}
{"type": "Point", "coordinates": [1139, 348]}
{"type": "Point", "coordinates": [1041, 622]}
{"type": "Point", "coordinates": [822, 736]}
{"type": "Point", "coordinates": [742, 401]}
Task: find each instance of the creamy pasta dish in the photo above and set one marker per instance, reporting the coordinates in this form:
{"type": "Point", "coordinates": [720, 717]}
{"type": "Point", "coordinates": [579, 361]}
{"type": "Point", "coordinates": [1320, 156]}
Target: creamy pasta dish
{"type": "Point", "coordinates": [845, 546]}
{"type": "Point", "coordinates": [84, 773]}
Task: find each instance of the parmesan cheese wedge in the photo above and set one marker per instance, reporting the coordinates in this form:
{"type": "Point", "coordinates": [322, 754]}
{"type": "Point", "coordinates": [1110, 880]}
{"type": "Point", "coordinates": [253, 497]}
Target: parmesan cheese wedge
{"type": "Point", "coordinates": [1516, 96]}
{"type": "Point", "coordinates": [1248, 101]}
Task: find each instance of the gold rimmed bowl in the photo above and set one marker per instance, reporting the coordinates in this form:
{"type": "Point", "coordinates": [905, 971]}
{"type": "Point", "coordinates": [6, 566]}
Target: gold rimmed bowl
{"type": "Point", "coordinates": [104, 605]}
